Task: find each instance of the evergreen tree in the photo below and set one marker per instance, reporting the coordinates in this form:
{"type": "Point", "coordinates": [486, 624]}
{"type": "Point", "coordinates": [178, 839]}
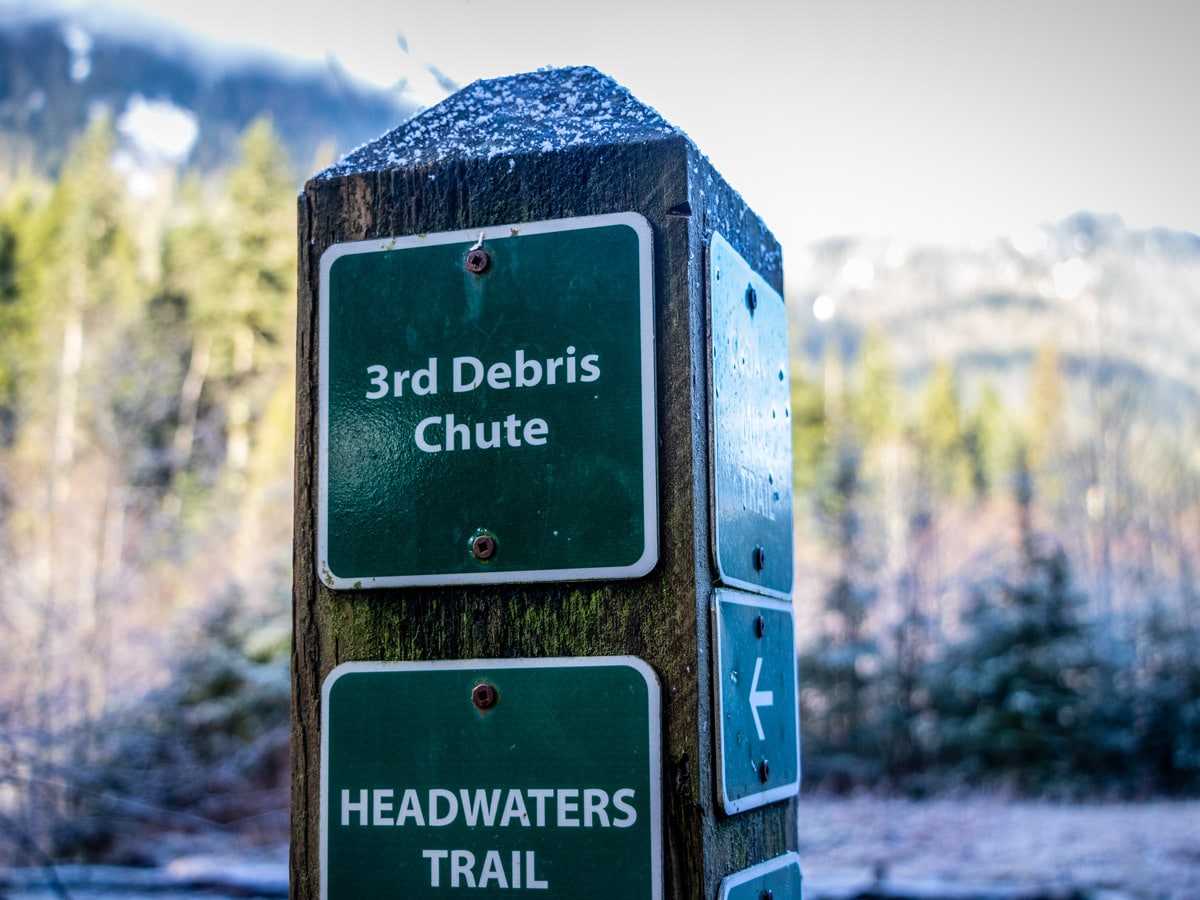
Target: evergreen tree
{"type": "Point", "coordinates": [80, 278]}
{"type": "Point", "coordinates": [1045, 424]}
{"type": "Point", "coordinates": [231, 269]}
{"type": "Point", "coordinates": [16, 323]}
{"type": "Point", "coordinates": [837, 673]}
{"type": "Point", "coordinates": [121, 401]}
{"type": "Point", "coordinates": [992, 442]}
{"type": "Point", "coordinates": [1164, 695]}
{"type": "Point", "coordinates": [77, 294]}
{"type": "Point", "coordinates": [875, 405]}
{"type": "Point", "coordinates": [259, 378]}
{"type": "Point", "coordinates": [809, 427]}
{"type": "Point", "coordinates": [1017, 698]}
{"type": "Point", "coordinates": [234, 268]}
{"type": "Point", "coordinates": [941, 433]}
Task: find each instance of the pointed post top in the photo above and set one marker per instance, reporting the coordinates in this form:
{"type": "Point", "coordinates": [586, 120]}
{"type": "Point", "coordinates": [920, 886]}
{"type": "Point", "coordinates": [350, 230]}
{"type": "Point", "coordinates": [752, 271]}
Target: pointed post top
{"type": "Point", "coordinates": [536, 112]}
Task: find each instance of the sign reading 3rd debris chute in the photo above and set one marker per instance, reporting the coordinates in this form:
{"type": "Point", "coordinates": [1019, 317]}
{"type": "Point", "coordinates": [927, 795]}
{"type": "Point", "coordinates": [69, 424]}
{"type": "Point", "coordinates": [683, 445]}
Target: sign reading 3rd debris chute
{"type": "Point", "coordinates": [487, 406]}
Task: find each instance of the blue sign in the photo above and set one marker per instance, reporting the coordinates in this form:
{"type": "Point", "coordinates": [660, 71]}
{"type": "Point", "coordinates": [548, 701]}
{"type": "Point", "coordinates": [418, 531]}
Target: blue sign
{"type": "Point", "coordinates": [752, 427]}
{"type": "Point", "coordinates": [778, 878]}
{"type": "Point", "coordinates": [758, 726]}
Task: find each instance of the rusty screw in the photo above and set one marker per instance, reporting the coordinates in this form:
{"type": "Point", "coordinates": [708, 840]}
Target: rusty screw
{"type": "Point", "coordinates": [484, 696]}
{"type": "Point", "coordinates": [478, 260]}
{"type": "Point", "coordinates": [764, 771]}
{"type": "Point", "coordinates": [483, 547]}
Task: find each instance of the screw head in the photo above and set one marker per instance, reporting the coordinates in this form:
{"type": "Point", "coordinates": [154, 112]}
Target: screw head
{"type": "Point", "coordinates": [764, 771]}
{"type": "Point", "coordinates": [760, 626]}
{"type": "Point", "coordinates": [483, 547]}
{"type": "Point", "coordinates": [478, 260]}
{"type": "Point", "coordinates": [484, 696]}
{"type": "Point", "coordinates": [760, 559]}
{"type": "Point", "coordinates": [751, 299]}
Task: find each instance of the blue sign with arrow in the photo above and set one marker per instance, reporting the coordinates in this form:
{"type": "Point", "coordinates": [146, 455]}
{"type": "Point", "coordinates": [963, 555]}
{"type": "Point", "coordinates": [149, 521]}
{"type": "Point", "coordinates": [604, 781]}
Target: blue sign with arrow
{"type": "Point", "coordinates": [758, 729]}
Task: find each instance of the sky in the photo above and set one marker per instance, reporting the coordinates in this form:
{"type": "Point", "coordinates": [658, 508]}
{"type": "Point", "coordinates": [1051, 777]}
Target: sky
{"type": "Point", "coordinates": [931, 120]}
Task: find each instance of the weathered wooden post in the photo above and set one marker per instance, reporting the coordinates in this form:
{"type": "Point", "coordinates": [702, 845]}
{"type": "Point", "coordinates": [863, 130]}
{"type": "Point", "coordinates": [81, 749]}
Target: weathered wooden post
{"type": "Point", "coordinates": [543, 634]}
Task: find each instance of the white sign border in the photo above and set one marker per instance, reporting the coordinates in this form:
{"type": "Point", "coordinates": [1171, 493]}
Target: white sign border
{"type": "Point", "coordinates": [729, 882]}
{"type": "Point", "coordinates": [653, 696]}
{"type": "Point", "coordinates": [649, 558]}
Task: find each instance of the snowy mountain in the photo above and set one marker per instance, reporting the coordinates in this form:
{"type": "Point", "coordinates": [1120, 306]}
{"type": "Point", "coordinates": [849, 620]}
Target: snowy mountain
{"type": "Point", "coordinates": [1118, 305]}
{"type": "Point", "coordinates": [173, 98]}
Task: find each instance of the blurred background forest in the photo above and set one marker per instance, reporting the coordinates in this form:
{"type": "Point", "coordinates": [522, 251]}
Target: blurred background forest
{"type": "Point", "coordinates": [998, 480]}
{"type": "Point", "coordinates": [147, 423]}
{"type": "Point", "coordinates": [147, 303]}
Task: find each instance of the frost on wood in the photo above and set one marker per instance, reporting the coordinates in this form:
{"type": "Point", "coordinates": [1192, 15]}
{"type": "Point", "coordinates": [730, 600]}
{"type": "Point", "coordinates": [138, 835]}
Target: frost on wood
{"type": "Point", "coordinates": [539, 112]}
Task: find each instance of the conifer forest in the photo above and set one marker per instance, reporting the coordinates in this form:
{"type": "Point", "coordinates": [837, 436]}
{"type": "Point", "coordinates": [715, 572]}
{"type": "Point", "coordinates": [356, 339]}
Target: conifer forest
{"type": "Point", "coordinates": [999, 513]}
{"type": "Point", "coordinates": [146, 410]}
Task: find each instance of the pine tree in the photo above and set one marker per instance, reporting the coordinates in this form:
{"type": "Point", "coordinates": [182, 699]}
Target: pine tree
{"type": "Point", "coordinates": [875, 404]}
{"type": "Point", "coordinates": [234, 267]}
{"type": "Point", "coordinates": [78, 293]}
{"type": "Point", "coordinates": [1045, 425]}
{"type": "Point", "coordinates": [231, 269]}
{"type": "Point", "coordinates": [81, 277]}
{"type": "Point", "coordinates": [837, 673]}
{"type": "Point", "coordinates": [992, 442]}
{"type": "Point", "coordinates": [809, 432]}
{"type": "Point", "coordinates": [941, 433]}
{"type": "Point", "coordinates": [1019, 696]}
{"type": "Point", "coordinates": [16, 323]}
{"type": "Point", "coordinates": [1165, 698]}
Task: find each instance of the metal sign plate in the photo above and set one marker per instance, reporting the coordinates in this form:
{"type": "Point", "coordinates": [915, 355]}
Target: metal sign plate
{"type": "Point", "coordinates": [751, 427]}
{"type": "Point", "coordinates": [487, 406]}
{"type": "Point", "coordinates": [758, 729]}
{"type": "Point", "coordinates": [779, 879]}
{"type": "Point", "coordinates": [492, 775]}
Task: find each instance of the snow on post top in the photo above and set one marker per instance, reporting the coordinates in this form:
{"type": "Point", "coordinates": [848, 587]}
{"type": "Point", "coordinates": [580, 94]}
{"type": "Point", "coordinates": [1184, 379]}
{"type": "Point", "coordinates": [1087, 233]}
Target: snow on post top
{"type": "Point", "coordinates": [538, 112]}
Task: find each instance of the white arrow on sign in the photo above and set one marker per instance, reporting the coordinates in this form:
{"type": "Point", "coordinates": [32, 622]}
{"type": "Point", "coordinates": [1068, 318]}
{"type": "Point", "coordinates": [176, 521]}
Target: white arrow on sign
{"type": "Point", "coordinates": [759, 698]}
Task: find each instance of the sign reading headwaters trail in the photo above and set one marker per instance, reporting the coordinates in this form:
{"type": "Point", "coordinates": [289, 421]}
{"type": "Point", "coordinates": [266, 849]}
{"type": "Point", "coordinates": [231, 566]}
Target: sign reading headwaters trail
{"type": "Point", "coordinates": [487, 406]}
{"type": "Point", "coordinates": [493, 777]}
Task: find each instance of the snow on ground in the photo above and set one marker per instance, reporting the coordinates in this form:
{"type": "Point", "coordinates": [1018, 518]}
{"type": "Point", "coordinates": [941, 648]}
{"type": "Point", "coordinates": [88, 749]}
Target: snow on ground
{"type": "Point", "coordinates": [1144, 850]}
{"type": "Point", "coordinates": [964, 848]}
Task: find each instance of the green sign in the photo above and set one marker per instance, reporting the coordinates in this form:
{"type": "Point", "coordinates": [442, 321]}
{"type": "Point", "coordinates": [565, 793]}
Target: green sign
{"type": "Point", "coordinates": [493, 777]}
{"type": "Point", "coordinates": [487, 406]}
{"type": "Point", "coordinates": [758, 727]}
{"type": "Point", "coordinates": [778, 879]}
{"type": "Point", "coordinates": [752, 427]}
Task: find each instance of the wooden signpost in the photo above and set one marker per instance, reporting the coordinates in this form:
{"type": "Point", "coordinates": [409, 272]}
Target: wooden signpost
{"type": "Point", "coordinates": [543, 637]}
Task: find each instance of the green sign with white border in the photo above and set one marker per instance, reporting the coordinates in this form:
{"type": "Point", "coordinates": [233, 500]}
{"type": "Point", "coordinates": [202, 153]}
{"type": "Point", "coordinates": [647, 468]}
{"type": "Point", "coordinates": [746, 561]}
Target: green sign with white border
{"type": "Point", "coordinates": [487, 406]}
{"type": "Point", "coordinates": [493, 776]}
{"type": "Point", "coordinates": [758, 714]}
